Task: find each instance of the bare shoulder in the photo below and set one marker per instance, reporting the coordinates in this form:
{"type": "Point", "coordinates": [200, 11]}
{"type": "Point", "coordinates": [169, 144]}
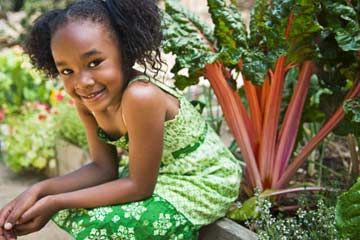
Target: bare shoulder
{"type": "Point", "coordinates": [143, 94]}
{"type": "Point", "coordinates": [143, 108]}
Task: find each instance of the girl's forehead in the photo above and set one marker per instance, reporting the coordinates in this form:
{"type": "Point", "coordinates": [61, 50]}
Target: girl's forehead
{"type": "Point", "coordinates": [81, 31]}
{"type": "Point", "coordinates": [79, 36]}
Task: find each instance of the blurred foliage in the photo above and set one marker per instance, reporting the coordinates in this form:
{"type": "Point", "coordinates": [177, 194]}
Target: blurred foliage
{"type": "Point", "coordinates": [31, 138]}
{"type": "Point", "coordinates": [30, 142]}
{"type": "Point", "coordinates": [35, 112]}
{"type": "Point", "coordinates": [31, 6]}
{"type": "Point", "coordinates": [20, 82]}
{"type": "Point", "coordinates": [70, 126]}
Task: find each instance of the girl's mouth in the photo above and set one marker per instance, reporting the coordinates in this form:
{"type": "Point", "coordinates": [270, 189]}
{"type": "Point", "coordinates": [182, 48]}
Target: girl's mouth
{"type": "Point", "coordinates": [93, 96]}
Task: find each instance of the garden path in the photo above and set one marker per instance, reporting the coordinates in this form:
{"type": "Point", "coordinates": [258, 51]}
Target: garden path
{"type": "Point", "coordinates": [13, 184]}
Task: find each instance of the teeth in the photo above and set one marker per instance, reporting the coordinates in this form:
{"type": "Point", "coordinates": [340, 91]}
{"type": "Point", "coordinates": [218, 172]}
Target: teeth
{"type": "Point", "coordinates": [92, 95]}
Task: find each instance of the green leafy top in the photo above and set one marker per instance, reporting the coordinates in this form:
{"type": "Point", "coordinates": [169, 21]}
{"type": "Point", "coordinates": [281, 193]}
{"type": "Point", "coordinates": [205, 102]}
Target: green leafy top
{"type": "Point", "coordinates": [193, 40]}
{"type": "Point", "coordinates": [230, 42]}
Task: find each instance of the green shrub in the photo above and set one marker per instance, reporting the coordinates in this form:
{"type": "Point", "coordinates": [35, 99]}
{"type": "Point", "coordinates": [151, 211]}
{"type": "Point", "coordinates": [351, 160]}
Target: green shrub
{"type": "Point", "coordinates": [306, 225]}
{"type": "Point", "coordinates": [70, 126]}
{"type": "Point", "coordinates": [19, 82]}
{"type": "Point", "coordinates": [30, 143]}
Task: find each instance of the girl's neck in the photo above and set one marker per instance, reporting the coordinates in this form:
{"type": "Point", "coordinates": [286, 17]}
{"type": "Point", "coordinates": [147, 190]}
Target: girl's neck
{"type": "Point", "coordinates": [128, 76]}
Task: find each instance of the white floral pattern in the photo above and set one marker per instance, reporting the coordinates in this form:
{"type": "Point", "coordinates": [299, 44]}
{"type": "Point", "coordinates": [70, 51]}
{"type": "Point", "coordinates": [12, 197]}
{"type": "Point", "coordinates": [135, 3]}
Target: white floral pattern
{"type": "Point", "coordinates": [97, 234]}
{"type": "Point", "coordinates": [115, 219]}
{"type": "Point", "coordinates": [77, 227]}
{"type": "Point", "coordinates": [125, 233]}
{"type": "Point", "coordinates": [161, 225]}
{"type": "Point", "coordinates": [134, 210]}
{"type": "Point", "coordinates": [99, 213]}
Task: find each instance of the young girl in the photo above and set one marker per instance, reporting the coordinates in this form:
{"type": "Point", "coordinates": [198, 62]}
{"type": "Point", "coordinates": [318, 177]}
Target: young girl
{"type": "Point", "coordinates": [180, 175]}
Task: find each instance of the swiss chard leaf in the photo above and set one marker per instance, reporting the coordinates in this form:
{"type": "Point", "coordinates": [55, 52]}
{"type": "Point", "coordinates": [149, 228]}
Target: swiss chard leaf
{"type": "Point", "coordinates": [348, 212]}
{"type": "Point", "coordinates": [230, 31]}
{"type": "Point", "coordinates": [351, 122]}
{"type": "Point", "coordinates": [190, 40]}
{"type": "Point", "coordinates": [345, 23]}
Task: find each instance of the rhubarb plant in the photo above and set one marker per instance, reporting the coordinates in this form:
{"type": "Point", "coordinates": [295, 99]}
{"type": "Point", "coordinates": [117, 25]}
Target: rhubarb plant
{"type": "Point", "coordinates": [314, 39]}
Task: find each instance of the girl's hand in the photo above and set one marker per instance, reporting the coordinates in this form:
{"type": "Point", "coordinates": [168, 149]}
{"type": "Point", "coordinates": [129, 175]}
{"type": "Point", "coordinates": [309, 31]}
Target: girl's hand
{"type": "Point", "coordinates": [10, 214]}
{"type": "Point", "coordinates": [5, 212]}
{"type": "Point", "coordinates": [37, 216]}
{"type": "Point", "coordinates": [7, 235]}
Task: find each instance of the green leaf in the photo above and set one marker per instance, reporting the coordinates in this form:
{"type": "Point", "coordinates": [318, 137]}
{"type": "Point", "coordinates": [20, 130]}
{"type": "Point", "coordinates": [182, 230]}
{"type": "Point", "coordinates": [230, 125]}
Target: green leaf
{"type": "Point", "coordinates": [40, 162]}
{"type": "Point", "coordinates": [230, 31]}
{"type": "Point", "coordinates": [351, 121]}
{"type": "Point", "coordinates": [255, 66]}
{"type": "Point", "coordinates": [190, 39]}
{"type": "Point", "coordinates": [345, 23]}
{"type": "Point", "coordinates": [250, 208]}
{"type": "Point", "coordinates": [347, 213]}
{"type": "Point", "coordinates": [352, 107]}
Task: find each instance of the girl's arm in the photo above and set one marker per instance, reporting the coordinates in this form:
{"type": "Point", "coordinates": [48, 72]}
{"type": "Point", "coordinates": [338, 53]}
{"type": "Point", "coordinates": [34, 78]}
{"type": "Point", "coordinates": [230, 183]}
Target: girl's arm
{"type": "Point", "coordinates": [144, 110]}
{"type": "Point", "coordinates": [103, 168]}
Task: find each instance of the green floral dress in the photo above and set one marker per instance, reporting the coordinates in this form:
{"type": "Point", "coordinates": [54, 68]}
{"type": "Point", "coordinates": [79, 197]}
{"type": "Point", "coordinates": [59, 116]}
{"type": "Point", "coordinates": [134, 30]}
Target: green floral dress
{"type": "Point", "coordinates": [198, 180]}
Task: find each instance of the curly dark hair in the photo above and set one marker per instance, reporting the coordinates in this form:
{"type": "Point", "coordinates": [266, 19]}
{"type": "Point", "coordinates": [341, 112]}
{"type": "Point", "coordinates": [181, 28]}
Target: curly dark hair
{"type": "Point", "coordinates": [135, 23]}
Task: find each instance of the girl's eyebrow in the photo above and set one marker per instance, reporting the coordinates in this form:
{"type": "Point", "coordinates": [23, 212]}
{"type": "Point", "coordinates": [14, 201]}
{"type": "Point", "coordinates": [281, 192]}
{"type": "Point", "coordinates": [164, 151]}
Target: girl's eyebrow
{"type": "Point", "coordinates": [90, 53]}
{"type": "Point", "coordinates": [83, 56]}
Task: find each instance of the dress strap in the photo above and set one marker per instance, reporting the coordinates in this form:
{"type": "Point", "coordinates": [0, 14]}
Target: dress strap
{"type": "Point", "coordinates": [161, 85]}
{"type": "Point", "coordinates": [140, 77]}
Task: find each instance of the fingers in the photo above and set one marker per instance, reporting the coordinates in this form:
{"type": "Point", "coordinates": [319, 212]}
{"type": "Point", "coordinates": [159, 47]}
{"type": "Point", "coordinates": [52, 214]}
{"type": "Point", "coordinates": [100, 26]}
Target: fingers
{"type": "Point", "coordinates": [27, 216]}
{"type": "Point", "coordinates": [26, 228]}
{"type": "Point", "coordinates": [2, 236]}
{"type": "Point", "coordinates": [10, 235]}
{"type": "Point", "coordinates": [13, 217]}
{"type": "Point", "coordinates": [7, 235]}
{"type": "Point", "coordinates": [4, 213]}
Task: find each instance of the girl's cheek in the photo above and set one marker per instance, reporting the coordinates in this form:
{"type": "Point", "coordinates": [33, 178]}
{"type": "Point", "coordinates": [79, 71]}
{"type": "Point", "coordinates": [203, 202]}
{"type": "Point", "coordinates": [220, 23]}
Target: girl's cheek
{"type": "Point", "coordinates": [69, 89]}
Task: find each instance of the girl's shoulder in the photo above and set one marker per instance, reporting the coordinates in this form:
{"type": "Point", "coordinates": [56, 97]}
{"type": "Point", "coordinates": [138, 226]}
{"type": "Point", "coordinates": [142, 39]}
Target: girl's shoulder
{"type": "Point", "coordinates": [142, 99]}
{"type": "Point", "coordinates": [141, 92]}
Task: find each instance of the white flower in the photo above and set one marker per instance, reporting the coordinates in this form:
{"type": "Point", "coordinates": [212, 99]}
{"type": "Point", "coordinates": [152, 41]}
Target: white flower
{"type": "Point", "coordinates": [162, 225]}
{"type": "Point", "coordinates": [99, 213]}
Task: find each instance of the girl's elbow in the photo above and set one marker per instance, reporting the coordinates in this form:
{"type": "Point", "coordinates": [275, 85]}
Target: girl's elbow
{"type": "Point", "coordinates": [145, 192]}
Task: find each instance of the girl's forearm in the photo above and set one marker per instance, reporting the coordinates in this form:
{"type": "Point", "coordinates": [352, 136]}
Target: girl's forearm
{"type": "Point", "coordinates": [115, 192]}
{"type": "Point", "coordinates": [87, 176]}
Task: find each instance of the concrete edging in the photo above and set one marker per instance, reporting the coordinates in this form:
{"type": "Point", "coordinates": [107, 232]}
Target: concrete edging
{"type": "Point", "coordinates": [226, 229]}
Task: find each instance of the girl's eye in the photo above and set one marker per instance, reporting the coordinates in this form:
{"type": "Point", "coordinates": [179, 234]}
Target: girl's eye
{"type": "Point", "coordinates": [66, 72]}
{"type": "Point", "coordinates": [95, 63]}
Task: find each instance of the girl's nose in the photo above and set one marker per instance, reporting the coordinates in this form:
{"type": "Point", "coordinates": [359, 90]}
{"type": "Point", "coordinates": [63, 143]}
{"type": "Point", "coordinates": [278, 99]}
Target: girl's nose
{"type": "Point", "coordinates": [85, 81]}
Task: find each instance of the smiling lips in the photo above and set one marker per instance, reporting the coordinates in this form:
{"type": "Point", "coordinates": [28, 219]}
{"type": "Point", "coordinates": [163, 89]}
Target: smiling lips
{"type": "Point", "coordinates": [94, 95]}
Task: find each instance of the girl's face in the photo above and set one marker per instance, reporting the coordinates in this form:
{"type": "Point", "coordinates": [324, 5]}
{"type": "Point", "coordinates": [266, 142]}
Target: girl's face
{"type": "Point", "coordinates": [89, 63]}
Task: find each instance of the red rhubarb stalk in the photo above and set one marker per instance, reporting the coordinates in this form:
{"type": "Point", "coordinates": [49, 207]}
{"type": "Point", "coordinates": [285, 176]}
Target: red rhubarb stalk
{"type": "Point", "coordinates": [292, 119]}
{"type": "Point", "coordinates": [225, 95]}
{"type": "Point", "coordinates": [271, 118]}
{"type": "Point", "coordinates": [311, 145]}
